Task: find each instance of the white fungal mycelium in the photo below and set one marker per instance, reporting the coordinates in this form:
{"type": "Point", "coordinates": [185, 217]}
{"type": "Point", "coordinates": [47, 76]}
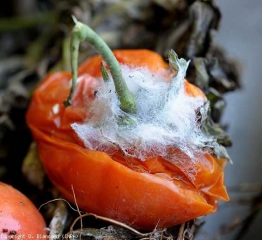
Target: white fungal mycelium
{"type": "Point", "coordinates": [166, 116]}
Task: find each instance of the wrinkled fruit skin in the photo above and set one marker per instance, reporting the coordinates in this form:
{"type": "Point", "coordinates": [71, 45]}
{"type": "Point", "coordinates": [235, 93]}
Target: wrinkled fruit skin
{"type": "Point", "coordinates": [19, 218]}
{"type": "Point", "coordinates": [144, 194]}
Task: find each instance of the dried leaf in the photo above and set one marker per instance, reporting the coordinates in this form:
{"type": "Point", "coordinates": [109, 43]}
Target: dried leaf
{"type": "Point", "coordinates": [220, 137]}
{"type": "Point", "coordinates": [32, 167]}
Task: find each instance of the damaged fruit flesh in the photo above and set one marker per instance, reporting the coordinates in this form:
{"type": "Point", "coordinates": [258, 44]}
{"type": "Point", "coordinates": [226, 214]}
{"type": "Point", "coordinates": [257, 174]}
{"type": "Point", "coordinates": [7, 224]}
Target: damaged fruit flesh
{"type": "Point", "coordinates": [153, 193]}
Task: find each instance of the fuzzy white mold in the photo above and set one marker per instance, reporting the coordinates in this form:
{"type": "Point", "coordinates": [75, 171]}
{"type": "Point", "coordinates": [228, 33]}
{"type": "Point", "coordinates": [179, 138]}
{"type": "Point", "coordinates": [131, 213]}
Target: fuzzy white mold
{"type": "Point", "coordinates": [166, 117]}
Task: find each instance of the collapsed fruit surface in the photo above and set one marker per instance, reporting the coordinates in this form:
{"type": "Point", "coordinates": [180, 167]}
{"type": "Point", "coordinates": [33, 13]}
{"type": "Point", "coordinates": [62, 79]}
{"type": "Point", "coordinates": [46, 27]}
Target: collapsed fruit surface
{"type": "Point", "coordinates": [144, 194]}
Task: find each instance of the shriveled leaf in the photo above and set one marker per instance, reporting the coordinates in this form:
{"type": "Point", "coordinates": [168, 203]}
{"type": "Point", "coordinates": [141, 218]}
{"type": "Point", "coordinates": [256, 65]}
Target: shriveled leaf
{"type": "Point", "coordinates": [108, 233]}
{"type": "Point", "coordinates": [32, 167]}
{"type": "Point", "coordinates": [57, 224]}
{"type": "Point", "coordinates": [212, 129]}
{"type": "Point", "coordinates": [171, 5]}
{"type": "Point", "coordinates": [175, 62]}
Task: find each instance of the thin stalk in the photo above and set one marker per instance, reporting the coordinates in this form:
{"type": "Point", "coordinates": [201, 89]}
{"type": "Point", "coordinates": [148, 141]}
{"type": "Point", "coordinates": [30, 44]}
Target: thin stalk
{"type": "Point", "coordinates": [104, 72]}
{"type": "Point", "coordinates": [82, 32]}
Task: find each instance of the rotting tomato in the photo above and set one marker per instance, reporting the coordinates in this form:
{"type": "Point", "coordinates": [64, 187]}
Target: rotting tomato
{"type": "Point", "coordinates": [19, 218]}
{"type": "Point", "coordinates": [144, 194]}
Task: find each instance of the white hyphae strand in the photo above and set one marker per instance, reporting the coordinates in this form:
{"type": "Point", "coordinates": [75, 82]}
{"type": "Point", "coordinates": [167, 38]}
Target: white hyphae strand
{"type": "Point", "coordinates": [166, 117]}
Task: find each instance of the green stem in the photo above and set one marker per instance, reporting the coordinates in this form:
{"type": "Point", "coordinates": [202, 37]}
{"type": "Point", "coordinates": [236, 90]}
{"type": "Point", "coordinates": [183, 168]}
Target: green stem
{"type": "Point", "coordinates": [104, 72]}
{"type": "Point", "coordinates": [66, 54]}
{"type": "Point", "coordinates": [74, 62]}
{"type": "Point", "coordinates": [83, 32]}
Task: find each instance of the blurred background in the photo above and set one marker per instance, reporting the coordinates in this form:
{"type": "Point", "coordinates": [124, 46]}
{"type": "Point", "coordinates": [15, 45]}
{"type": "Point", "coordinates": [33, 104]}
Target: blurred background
{"type": "Point", "coordinates": [34, 40]}
{"type": "Point", "coordinates": [241, 35]}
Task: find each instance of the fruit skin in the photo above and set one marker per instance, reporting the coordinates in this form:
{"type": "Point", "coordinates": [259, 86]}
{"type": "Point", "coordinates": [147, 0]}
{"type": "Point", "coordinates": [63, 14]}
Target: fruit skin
{"type": "Point", "coordinates": [19, 218]}
{"type": "Point", "coordinates": [146, 195]}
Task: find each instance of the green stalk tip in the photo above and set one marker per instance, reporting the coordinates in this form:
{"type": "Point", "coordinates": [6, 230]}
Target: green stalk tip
{"type": "Point", "coordinates": [82, 32]}
{"type": "Point", "coordinates": [74, 19]}
{"type": "Point", "coordinates": [104, 72]}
